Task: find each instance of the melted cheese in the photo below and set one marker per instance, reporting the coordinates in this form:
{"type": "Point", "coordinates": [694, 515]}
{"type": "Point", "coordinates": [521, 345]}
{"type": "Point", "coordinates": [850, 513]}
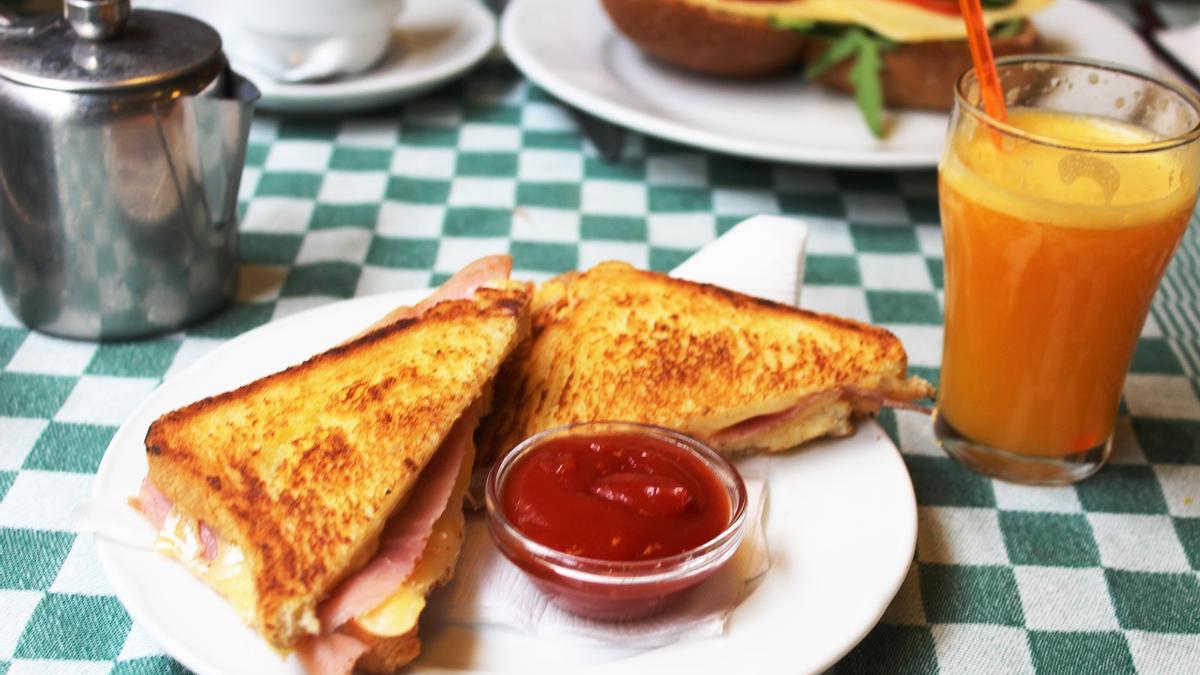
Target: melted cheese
{"type": "Point", "coordinates": [895, 20]}
{"type": "Point", "coordinates": [228, 573]}
{"type": "Point", "coordinates": [399, 613]}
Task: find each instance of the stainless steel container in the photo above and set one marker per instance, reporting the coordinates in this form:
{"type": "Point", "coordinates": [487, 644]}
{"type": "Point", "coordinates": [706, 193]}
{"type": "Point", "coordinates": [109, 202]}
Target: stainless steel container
{"type": "Point", "coordinates": [122, 140]}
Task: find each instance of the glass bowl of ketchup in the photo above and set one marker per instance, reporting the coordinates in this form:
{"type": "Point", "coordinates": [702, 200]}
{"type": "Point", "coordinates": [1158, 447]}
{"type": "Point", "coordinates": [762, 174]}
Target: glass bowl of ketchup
{"type": "Point", "coordinates": [614, 520]}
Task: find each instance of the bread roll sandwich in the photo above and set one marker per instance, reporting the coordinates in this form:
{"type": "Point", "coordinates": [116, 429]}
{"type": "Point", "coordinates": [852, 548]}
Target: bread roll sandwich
{"type": "Point", "coordinates": [895, 53]}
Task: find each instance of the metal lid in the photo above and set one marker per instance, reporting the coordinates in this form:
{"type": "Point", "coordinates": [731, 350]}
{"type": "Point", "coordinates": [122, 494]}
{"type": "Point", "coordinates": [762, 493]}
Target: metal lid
{"type": "Point", "coordinates": [97, 46]}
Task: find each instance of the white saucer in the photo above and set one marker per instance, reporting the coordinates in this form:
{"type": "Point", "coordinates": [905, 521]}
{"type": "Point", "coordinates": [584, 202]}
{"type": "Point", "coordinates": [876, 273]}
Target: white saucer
{"type": "Point", "coordinates": [435, 41]}
{"type": "Point", "coordinates": [570, 48]}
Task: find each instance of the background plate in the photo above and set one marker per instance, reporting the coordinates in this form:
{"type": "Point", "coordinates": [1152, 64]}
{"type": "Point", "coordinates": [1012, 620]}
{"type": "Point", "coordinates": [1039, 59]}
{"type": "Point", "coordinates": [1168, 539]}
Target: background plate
{"type": "Point", "coordinates": [434, 42]}
{"type": "Point", "coordinates": [841, 528]}
{"type": "Point", "coordinates": [570, 48]}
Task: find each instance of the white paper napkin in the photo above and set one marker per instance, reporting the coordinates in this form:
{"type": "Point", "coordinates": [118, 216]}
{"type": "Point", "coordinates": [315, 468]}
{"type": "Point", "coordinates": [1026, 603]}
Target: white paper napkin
{"type": "Point", "coordinates": [764, 257]}
{"type": "Point", "coordinates": [1184, 44]}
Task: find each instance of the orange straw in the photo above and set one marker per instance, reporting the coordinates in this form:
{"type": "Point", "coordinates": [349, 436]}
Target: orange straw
{"type": "Point", "coordinates": [985, 64]}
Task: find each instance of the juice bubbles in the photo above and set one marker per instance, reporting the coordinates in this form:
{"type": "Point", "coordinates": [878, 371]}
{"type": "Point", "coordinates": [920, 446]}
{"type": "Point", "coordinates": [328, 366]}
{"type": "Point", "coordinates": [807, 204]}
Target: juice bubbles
{"type": "Point", "coordinates": [1057, 231]}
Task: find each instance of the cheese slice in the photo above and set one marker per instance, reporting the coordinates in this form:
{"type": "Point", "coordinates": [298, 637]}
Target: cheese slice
{"type": "Point", "coordinates": [228, 573]}
{"type": "Point", "coordinates": [399, 613]}
{"type": "Point", "coordinates": [893, 19]}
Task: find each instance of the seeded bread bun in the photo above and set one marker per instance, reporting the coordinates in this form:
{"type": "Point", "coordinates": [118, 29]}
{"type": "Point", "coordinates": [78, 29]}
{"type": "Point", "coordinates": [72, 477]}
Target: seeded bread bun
{"type": "Point", "coordinates": [922, 74]}
{"type": "Point", "coordinates": [705, 41]}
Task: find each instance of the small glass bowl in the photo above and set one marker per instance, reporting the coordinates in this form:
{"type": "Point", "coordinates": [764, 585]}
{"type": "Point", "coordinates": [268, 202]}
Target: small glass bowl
{"type": "Point", "coordinates": [616, 590]}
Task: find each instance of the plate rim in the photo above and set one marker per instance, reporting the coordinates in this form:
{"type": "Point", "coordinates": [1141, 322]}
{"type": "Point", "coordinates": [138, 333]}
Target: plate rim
{"type": "Point", "coordinates": [377, 88]}
{"type": "Point", "coordinates": [688, 134]}
{"type": "Point", "coordinates": [178, 649]}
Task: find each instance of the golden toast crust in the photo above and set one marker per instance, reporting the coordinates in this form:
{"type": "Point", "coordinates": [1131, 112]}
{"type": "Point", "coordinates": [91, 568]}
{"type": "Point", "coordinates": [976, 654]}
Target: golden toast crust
{"type": "Point", "coordinates": [301, 469]}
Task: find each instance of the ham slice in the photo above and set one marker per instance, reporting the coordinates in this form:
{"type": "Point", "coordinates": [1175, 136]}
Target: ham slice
{"type": "Point", "coordinates": [405, 534]}
{"type": "Point", "coordinates": [152, 504]}
{"type": "Point", "coordinates": [887, 401]}
{"type": "Point", "coordinates": [333, 654]}
{"type": "Point", "coordinates": [155, 506]}
{"type": "Point", "coordinates": [461, 286]}
{"type": "Point", "coordinates": [761, 424]}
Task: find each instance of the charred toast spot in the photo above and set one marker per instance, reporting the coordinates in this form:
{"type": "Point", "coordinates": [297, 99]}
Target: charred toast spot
{"type": "Point", "coordinates": [565, 393]}
{"type": "Point", "coordinates": [154, 449]}
{"type": "Point", "coordinates": [373, 336]}
{"type": "Point", "coordinates": [354, 391]}
{"type": "Point", "coordinates": [251, 487]}
{"type": "Point", "coordinates": [376, 392]}
{"type": "Point", "coordinates": [329, 452]}
{"type": "Point", "coordinates": [214, 482]}
{"type": "Point", "coordinates": [513, 306]}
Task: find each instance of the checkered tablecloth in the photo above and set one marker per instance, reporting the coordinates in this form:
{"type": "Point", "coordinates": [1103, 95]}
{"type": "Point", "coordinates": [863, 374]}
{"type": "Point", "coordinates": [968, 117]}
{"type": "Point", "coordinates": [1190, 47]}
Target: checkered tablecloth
{"type": "Point", "coordinates": [1103, 576]}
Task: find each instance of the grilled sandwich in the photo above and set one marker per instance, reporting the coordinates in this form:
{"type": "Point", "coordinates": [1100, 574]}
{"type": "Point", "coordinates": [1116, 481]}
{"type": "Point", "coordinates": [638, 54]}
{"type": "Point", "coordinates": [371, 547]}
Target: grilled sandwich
{"type": "Point", "coordinates": [325, 501]}
{"type": "Point", "coordinates": [740, 373]}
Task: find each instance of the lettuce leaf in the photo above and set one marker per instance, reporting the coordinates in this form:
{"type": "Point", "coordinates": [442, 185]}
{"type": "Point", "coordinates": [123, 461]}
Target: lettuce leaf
{"type": "Point", "coordinates": [1007, 29]}
{"type": "Point", "coordinates": [866, 49]}
{"type": "Point", "coordinates": [868, 85]}
{"type": "Point", "coordinates": [845, 46]}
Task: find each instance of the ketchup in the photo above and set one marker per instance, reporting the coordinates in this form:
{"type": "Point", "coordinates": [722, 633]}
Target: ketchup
{"type": "Point", "coordinates": [616, 497]}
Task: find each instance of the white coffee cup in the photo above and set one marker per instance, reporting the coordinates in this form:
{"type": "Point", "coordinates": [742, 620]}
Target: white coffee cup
{"type": "Point", "coordinates": [301, 40]}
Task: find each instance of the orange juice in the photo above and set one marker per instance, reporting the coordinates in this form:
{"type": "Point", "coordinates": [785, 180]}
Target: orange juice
{"type": "Point", "coordinates": [1052, 258]}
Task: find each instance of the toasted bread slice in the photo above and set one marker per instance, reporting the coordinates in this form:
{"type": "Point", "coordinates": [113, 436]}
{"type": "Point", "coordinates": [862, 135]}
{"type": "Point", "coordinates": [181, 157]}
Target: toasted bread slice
{"type": "Point", "coordinates": [302, 469]}
{"type": "Point", "coordinates": [922, 75]}
{"type": "Point", "coordinates": [706, 41]}
{"type": "Point", "coordinates": [617, 343]}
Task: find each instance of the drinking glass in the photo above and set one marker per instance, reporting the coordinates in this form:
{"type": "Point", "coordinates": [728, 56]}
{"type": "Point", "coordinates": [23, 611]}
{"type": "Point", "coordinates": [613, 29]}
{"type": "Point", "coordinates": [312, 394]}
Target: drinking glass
{"type": "Point", "coordinates": [1058, 224]}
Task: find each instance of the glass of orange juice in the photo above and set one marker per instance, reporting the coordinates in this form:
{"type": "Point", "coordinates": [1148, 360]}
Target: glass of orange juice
{"type": "Point", "coordinates": [1058, 224]}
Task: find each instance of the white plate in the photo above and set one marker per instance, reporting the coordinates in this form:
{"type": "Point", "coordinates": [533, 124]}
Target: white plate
{"type": "Point", "coordinates": [841, 527]}
{"type": "Point", "coordinates": [570, 48]}
{"type": "Point", "coordinates": [435, 41]}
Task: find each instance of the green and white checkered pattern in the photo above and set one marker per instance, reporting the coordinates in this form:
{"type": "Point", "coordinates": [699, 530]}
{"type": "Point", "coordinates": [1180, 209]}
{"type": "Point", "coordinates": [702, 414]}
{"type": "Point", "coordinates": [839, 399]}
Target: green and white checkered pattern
{"type": "Point", "coordinates": [1100, 577]}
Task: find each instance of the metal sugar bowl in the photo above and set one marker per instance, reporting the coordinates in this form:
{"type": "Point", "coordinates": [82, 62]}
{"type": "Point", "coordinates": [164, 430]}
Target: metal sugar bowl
{"type": "Point", "coordinates": [122, 140]}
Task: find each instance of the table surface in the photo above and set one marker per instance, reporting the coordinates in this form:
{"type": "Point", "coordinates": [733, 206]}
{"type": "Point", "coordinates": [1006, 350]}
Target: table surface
{"type": "Point", "coordinates": [1103, 576]}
